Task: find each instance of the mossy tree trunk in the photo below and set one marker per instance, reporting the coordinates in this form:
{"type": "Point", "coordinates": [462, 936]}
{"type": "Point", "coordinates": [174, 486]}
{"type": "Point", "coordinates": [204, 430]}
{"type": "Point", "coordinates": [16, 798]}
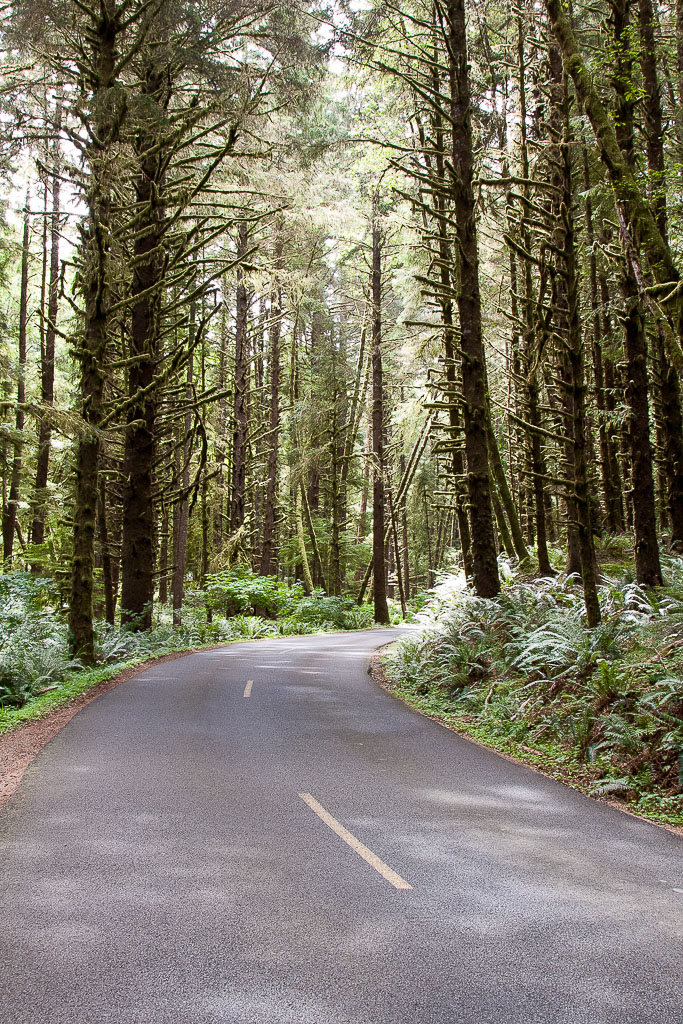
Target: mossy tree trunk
{"type": "Point", "coordinates": [241, 394]}
{"type": "Point", "coordinates": [9, 519]}
{"type": "Point", "coordinates": [379, 569]}
{"type": "Point", "coordinates": [268, 549]}
{"type": "Point", "coordinates": [138, 551]}
{"type": "Point", "coordinates": [47, 354]}
{"type": "Point", "coordinates": [95, 286]}
{"type": "Point", "coordinates": [475, 409]}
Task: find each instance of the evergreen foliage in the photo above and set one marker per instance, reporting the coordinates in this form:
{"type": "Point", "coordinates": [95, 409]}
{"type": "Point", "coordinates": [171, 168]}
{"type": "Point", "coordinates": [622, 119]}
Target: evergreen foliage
{"type": "Point", "coordinates": [302, 305]}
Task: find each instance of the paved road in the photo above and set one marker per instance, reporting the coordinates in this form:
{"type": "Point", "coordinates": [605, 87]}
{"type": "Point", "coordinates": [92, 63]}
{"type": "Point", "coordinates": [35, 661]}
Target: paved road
{"type": "Point", "coordinates": [160, 866]}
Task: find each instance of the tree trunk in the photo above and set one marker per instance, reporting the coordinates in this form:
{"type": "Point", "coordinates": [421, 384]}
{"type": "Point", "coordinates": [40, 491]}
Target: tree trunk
{"type": "Point", "coordinates": [448, 279]}
{"type": "Point", "coordinates": [163, 556]}
{"type": "Point", "coordinates": [579, 525]}
{"type": "Point", "coordinates": [268, 562]}
{"type": "Point", "coordinates": [576, 361]}
{"type": "Point", "coordinates": [484, 561]}
{"type": "Point", "coordinates": [181, 513]}
{"type": "Point", "coordinates": [668, 379]}
{"type": "Point", "coordinates": [301, 539]}
{"type": "Point", "coordinates": [609, 370]}
{"type": "Point", "coordinates": [240, 406]}
{"type": "Point", "coordinates": [538, 469]}
{"type": "Point", "coordinates": [318, 572]}
{"type": "Point", "coordinates": [648, 568]}
{"type": "Point", "coordinates": [610, 485]}
{"type": "Point", "coordinates": [639, 221]}
{"type": "Point", "coordinates": [652, 106]}
{"type": "Point", "coordinates": [95, 288]}
{"type": "Point", "coordinates": [519, 548]}
{"type": "Point", "coordinates": [378, 509]}
{"type": "Point", "coordinates": [405, 556]}
{"type": "Point", "coordinates": [679, 76]}
{"type": "Point", "coordinates": [672, 437]}
{"type": "Point", "coordinates": [138, 555]}
{"type": "Point", "coordinates": [10, 517]}
{"type": "Point", "coordinates": [107, 575]}
{"type": "Point", "coordinates": [363, 525]}
{"type": "Point", "coordinates": [47, 355]}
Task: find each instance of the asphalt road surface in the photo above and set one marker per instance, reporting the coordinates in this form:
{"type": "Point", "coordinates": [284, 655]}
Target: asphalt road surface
{"type": "Point", "coordinates": [260, 835]}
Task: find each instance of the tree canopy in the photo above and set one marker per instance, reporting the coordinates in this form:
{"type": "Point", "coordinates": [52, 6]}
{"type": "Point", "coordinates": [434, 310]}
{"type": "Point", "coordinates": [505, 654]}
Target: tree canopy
{"type": "Point", "coordinates": [341, 295]}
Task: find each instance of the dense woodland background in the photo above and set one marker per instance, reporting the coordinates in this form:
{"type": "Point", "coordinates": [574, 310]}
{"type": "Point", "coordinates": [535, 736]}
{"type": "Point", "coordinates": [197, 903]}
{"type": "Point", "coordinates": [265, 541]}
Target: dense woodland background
{"type": "Point", "coordinates": [338, 298]}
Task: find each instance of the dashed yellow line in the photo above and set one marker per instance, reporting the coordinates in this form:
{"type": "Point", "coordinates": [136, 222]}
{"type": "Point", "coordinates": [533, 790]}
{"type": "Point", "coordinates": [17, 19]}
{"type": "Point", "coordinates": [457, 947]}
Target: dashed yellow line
{"type": "Point", "coordinates": [247, 688]}
{"type": "Point", "coordinates": [368, 856]}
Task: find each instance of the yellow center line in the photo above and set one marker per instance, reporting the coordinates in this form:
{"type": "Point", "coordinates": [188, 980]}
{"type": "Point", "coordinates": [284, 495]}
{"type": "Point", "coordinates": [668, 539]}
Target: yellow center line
{"type": "Point", "coordinates": [247, 688]}
{"type": "Point", "coordinates": [368, 856]}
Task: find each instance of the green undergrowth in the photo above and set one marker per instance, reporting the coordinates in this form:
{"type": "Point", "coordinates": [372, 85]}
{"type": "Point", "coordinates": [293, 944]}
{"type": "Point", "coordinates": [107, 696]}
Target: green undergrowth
{"type": "Point", "coordinates": [600, 709]}
{"type": "Point", "coordinates": [37, 672]}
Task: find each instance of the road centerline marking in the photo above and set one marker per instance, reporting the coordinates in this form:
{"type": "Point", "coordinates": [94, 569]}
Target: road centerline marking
{"type": "Point", "coordinates": [368, 856]}
{"type": "Point", "coordinates": [247, 688]}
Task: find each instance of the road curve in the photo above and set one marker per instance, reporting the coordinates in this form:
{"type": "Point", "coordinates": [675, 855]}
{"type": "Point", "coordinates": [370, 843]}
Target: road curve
{"type": "Point", "coordinates": [159, 865]}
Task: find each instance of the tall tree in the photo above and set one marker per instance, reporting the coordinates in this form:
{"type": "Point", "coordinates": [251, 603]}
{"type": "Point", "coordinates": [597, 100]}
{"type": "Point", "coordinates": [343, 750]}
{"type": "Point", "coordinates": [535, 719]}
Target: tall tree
{"type": "Point", "coordinates": [268, 548]}
{"type": "Point", "coordinates": [48, 337]}
{"type": "Point", "coordinates": [240, 431]}
{"type": "Point", "coordinates": [484, 563]}
{"type": "Point", "coordinates": [9, 519]}
{"type": "Point", "coordinates": [379, 571]}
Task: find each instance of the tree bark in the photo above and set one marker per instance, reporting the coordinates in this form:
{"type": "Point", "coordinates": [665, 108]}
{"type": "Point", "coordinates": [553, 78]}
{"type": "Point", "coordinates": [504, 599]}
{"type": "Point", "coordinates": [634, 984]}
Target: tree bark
{"type": "Point", "coordinates": [610, 485]}
{"type": "Point", "coordinates": [484, 560]}
{"type": "Point", "coordinates": [448, 280]}
{"type": "Point", "coordinates": [378, 504]}
{"type": "Point", "coordinates": [181, 512]}
{"type": "Point", "coordinates": [47, 355]}
{"type": "Point", "coordinates": [317, 558]}
{"type": "Point", "coordinates": [668, 379]}
{"type": "Point", "coordinates": [138, 555]}
{"type": "Point", "coordinates": [301, 538]}
{"type": "Point", "coordinates": [672, 437]}
{"type": "Point", "coordinates": [163, 556]}
{"type": "Point", "coordinates": [9, 521]}
{"type": "Point", "coordinates": [268, 562]}
{"type": "Point", "coordinates": [648, 568]}
{"type": "Point", "coordinates": [240, 403]}
{"type": "Point", "coordinates": [653, 121]}
{"type": "Point", "coordinates": [95, 287]}
{"type": "Point", "coordinates": [644, 235]}
{"type": "Point", "coordinates": [107, 574]}
{"type": "Point", "coordinates": [579, 525]}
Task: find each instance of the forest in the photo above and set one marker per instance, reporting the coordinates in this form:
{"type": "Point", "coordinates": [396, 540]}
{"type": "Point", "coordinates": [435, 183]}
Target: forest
{"type": "Point", "coordinates": [318, 316]}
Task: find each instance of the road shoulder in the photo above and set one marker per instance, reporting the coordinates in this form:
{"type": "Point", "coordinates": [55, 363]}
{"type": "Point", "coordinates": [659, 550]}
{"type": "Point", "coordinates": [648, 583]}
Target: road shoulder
{"type": "Point", "coordinates": [20, 746]}
{"type": "Point", "coordinates": [534, 760]}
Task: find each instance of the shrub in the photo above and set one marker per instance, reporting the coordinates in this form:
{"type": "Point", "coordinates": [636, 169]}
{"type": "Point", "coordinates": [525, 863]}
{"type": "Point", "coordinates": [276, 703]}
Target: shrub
{"type": "Point", "coordinates": [332, 612]}
{"type": "Point", "coordinates": [241, 591]}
